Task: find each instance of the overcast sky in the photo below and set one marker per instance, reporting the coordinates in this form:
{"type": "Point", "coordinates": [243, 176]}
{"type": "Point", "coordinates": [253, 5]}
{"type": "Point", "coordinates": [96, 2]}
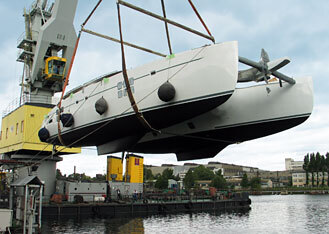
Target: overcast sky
{"type": "Point", "coordinates": [294, 28]}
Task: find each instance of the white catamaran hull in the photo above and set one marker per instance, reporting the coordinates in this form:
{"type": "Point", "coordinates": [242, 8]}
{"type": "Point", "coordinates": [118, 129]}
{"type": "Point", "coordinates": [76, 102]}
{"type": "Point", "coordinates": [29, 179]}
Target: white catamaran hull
{"type": "Point", "coordinates": [202, 78]}
{"type": "Point", "coordinates": [249, 114]}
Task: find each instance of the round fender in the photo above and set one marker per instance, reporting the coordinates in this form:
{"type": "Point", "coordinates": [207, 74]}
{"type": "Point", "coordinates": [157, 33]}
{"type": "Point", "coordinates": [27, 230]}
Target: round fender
{"type": "Point", "coordinates": [166, 92]}
{"type": "Point", "coordinates": [43, 134]}
{"type": "Point", "coordinates": [67, 120]}
{"type": "Point", "coordinates": [101, 106]}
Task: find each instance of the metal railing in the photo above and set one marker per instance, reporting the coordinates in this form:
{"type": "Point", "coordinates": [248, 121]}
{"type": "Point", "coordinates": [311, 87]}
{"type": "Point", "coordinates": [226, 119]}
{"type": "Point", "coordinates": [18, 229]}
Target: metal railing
{"type": "Point", "coordinates": [27, 98]}
{"type": "Point", "coordinates": [22, 36]}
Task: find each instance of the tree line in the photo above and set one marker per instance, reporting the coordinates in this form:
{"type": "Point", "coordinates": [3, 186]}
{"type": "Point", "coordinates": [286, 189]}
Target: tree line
{"type": "Point", "coordinates": [203, 173]}
{"type": "Point", "coordinates": [253, 183]}
{"type": "Point", "coordinates": [314, 164]}
{"type": "Point", "coordinates": [192, 176]}
{"type": "Point", "coordinates": [80, 177]}
{"type": "Point", "coordinates": [200, 173]}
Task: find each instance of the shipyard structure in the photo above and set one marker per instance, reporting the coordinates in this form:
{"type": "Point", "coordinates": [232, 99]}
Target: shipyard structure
{"type": "Point", "coordinates": [44, 54]}
{"type": "Point", "coordinates": [118, 185]}
{"type": "Point", "coordinates": [173, 105]}
{"type": "Point", "coordinates": [45, 47]}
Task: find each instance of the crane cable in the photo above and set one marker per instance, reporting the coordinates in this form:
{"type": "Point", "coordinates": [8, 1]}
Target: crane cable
{"type": "Point", "coordinates": [201, 20]}
{"type": "Point", "coordinates": [68, 74]}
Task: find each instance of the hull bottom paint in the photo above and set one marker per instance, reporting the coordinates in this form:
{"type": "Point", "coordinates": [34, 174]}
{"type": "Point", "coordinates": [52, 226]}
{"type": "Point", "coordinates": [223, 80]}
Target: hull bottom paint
{"type": "Point", "coordinates": [250, 113]}
{"type": "Point", "coordinates": [125, 131]}
{"type": "Point", "coordinates": [210, 143]}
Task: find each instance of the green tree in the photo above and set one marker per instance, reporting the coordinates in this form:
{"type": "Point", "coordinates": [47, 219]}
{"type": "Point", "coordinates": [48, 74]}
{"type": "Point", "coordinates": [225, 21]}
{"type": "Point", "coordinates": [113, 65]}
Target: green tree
{"type": "Point", "coordinates": [147, 175]}
{"type": "Point", "coordinates": [245, 181]}
{"type": "Point", "coordinates": [161, 182]}
{"type": "Point", "coordinates": [85, 178]}
{"type": "Point", "coordinates": [323, 168]}
{"type": "Point", "coordinates": [157, 176]}
{"type": "Point", "coordinates": [177, 178]}
{"type": "Point", "coordinates": [255, 183]}
{"type": "Point", "coordinates": [189, 179]}
{"type": "Point", "coordinates": [168, 173]}
{"type": "Point", "coordinates": [327, 167]}
{"type": "Point", "coordinates": [59, 174]}
{"type": "Point", "coordinates": [99, 177]}
{"type": "Point", "coordinates": [80, 177]}
{"type": "Point", "coordinates": [306, 167]}
{"type": "Point", "coordinates": [218, 182]}
{"type": "Point", "coordinates": [203, 173]}
{"type": "Point", "coordinates": [219, 172]}
{"type": "Point", "coordinates": [317, 167]}
{"type": "Point", "coordinates": [312, 166]}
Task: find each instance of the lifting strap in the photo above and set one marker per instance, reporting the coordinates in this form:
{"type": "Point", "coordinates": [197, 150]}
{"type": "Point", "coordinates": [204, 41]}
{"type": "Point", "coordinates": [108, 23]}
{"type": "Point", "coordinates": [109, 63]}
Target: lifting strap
{"type": "Point", "coordinates": [133, 103]}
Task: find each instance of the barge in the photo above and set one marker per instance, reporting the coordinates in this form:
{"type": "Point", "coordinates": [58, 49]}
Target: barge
{"type": "Point", "coordinates": [133, 209]}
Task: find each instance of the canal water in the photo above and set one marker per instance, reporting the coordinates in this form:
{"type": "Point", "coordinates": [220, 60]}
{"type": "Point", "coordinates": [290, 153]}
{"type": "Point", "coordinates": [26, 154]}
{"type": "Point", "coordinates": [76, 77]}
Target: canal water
{"type": "Point", "coordinates": [268, 214]}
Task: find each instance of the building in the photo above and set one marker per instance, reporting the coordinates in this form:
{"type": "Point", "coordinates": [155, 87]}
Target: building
{"type": "Point", "coordinates": [266, 183]}
{"type": "Point", "coordinates": [159, 169]}
{"type": "Point", "coordinates": [299, 178]}
{"type": "Point", "coordinates": [294, 175]}
{"type": "Point", "coordinates": [88, 190]}
{"type": "Point", "coordinates": [228, 170]}
{"type": "Point", "coordinates": [278, 178]}
{"type": "Point", "coordinates": [292, 165]}
{"type": "Point", "coordinates": [231, 170]}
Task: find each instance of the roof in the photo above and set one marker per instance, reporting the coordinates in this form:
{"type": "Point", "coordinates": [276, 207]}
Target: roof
{"type": "Point", "coordinates": [27, 181]}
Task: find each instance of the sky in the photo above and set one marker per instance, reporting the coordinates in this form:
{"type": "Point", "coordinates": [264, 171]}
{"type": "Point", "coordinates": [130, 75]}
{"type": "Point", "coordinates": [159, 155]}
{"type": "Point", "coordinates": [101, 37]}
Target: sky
{"type": "Point", "coordinates": [293, 28]}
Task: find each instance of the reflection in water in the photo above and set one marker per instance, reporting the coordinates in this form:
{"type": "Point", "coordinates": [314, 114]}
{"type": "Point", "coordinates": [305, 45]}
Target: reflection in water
{"type": "Point", "coordinates": [269, 214]}
{"type": "Point", "coordinates": [133, 226]}
{"type": "Point", "coordinates": [94, 225]}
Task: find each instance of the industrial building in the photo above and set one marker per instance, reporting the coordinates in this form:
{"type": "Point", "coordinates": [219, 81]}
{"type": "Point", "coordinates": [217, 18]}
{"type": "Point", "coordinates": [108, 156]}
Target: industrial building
{"type": "Point", "coordinates": [292, 165]}
{"type": "Point", "coordinates": [19, 141]}
{"type": "Point", "coordinates": [299, 178]}
{"type": "Point", "coordinates": [233, 173]}
{"type": "Point", "coordinates": [228, 170]}
{"type": "Point", "coordinates": [116, 186]}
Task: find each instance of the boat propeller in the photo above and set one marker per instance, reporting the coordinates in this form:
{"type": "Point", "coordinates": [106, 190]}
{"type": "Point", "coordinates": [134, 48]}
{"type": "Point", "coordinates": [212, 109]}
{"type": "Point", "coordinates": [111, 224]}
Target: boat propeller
{"type": "Point", "coordinates": [263, 69]}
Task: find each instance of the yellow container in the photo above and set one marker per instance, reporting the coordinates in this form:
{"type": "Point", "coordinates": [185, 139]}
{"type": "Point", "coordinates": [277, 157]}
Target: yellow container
{"type": "Point", "coordinates": [19, 131]}
{"type": "Point", "coordinates": [114, 167]}
{"type": "Point", "coordinates": [134, 168]}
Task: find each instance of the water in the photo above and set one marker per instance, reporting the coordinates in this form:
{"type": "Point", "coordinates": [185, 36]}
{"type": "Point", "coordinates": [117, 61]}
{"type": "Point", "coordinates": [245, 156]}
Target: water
{"type": "Point", "coordinates": [268, 214]}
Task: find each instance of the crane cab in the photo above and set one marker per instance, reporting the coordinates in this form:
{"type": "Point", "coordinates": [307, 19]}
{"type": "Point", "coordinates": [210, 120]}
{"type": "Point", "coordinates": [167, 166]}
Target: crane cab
{"type": "Point", "coordinates": [55, 68]}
